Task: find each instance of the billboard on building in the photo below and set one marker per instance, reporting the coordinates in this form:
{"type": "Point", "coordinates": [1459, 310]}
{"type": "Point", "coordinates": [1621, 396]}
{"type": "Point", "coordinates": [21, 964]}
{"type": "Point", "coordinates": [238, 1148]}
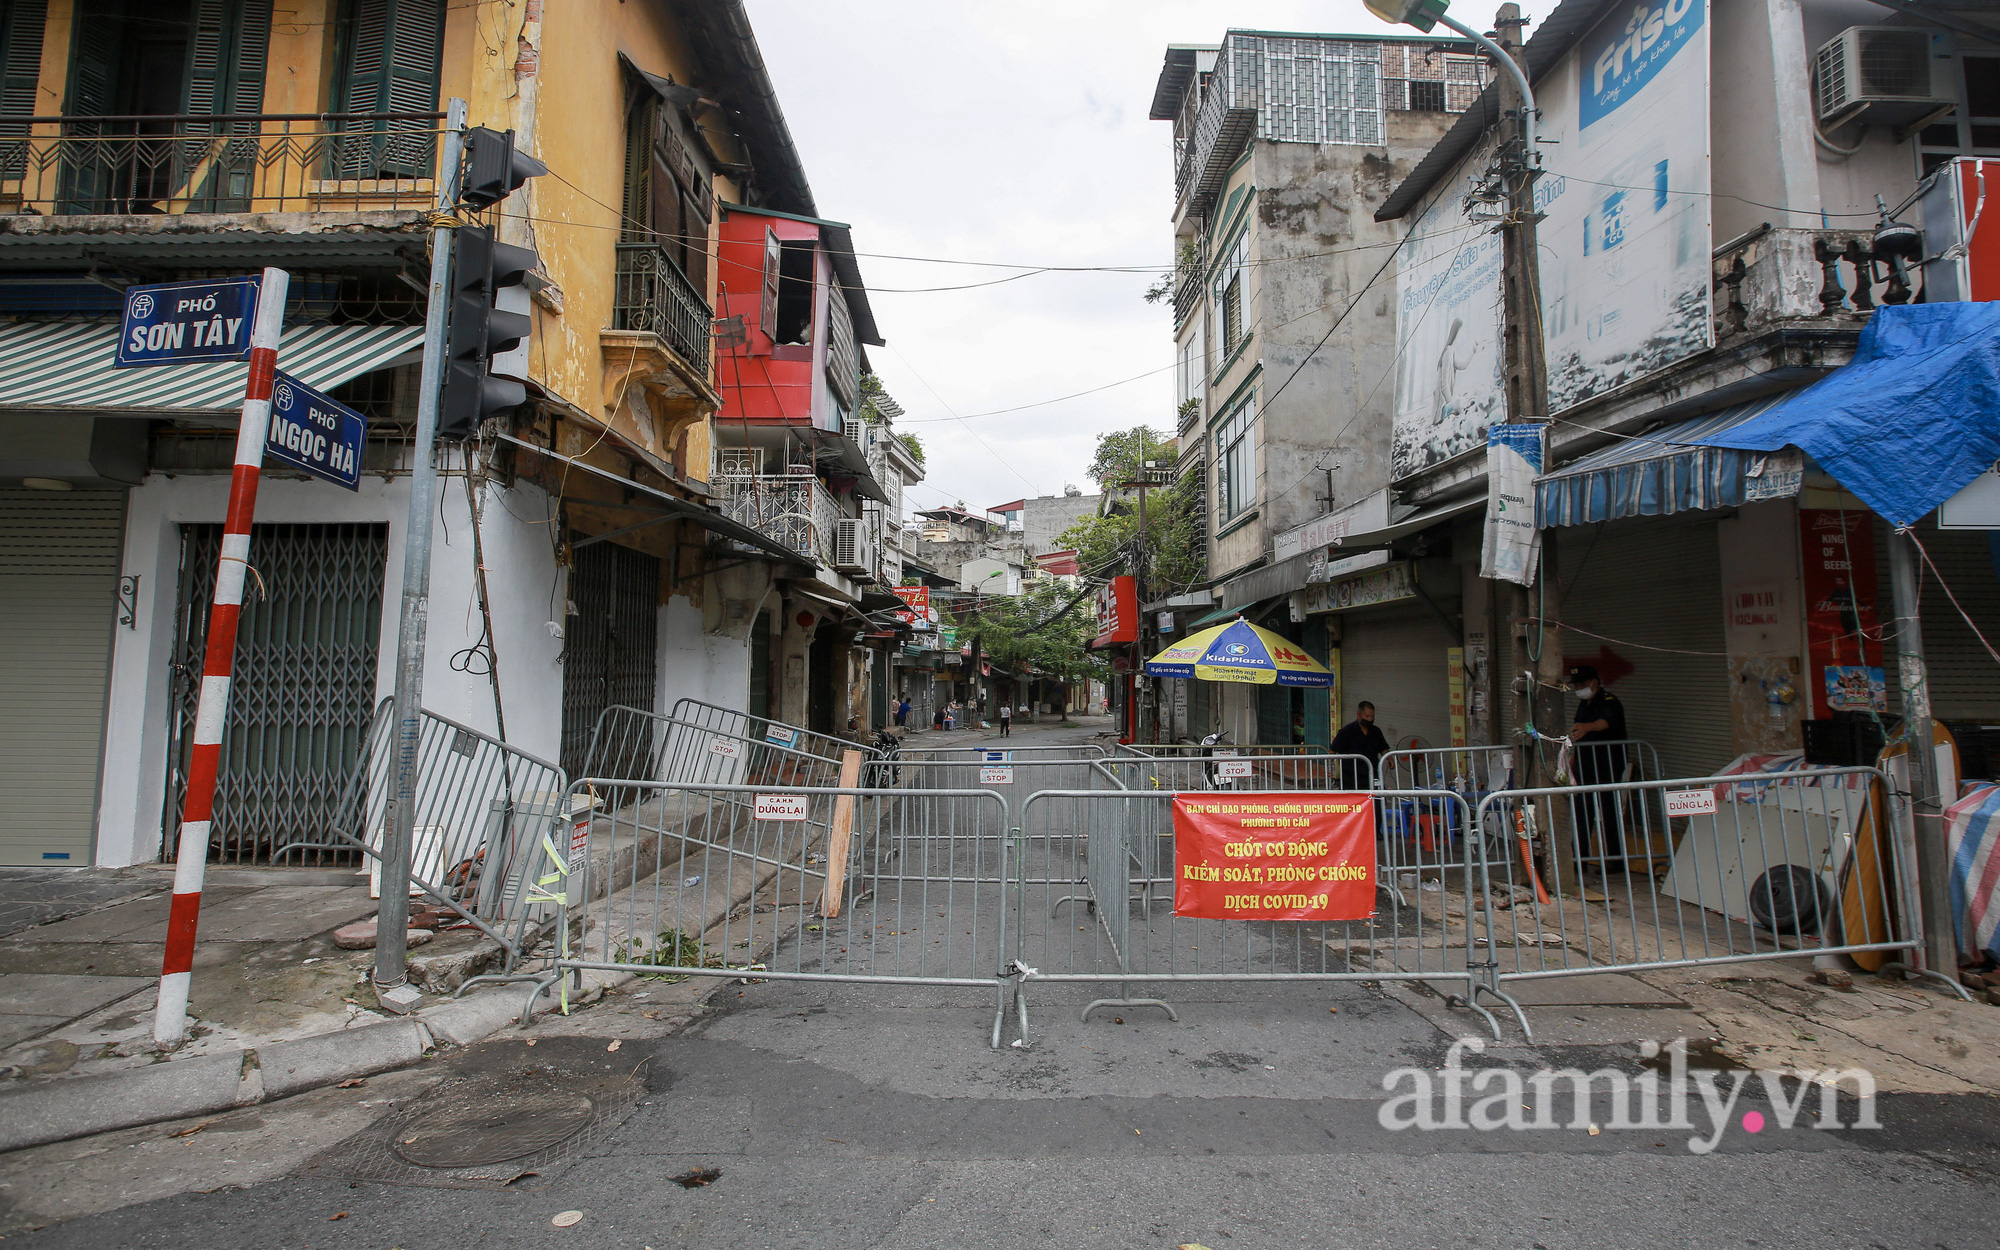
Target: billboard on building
{"type": "Point", "coordinates": [1624, 239]}
{"type": "Point", "coordinates": [1626, 283]}
{"type": "Point", "coordinates": [1448, 387]}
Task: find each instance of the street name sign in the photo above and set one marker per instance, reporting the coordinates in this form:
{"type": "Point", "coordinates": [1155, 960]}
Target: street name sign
{"type": "Point", "coordinates": [173, 323]}
{"type": "Point", "coordinates": [315, 432]}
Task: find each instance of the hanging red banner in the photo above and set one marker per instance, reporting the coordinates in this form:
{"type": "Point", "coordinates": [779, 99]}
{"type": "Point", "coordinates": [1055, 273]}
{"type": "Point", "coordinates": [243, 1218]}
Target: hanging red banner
{"type": "Point", "coordinates": [1284, 856]}
{"type": "Point", "coordinates": [1843, 640]}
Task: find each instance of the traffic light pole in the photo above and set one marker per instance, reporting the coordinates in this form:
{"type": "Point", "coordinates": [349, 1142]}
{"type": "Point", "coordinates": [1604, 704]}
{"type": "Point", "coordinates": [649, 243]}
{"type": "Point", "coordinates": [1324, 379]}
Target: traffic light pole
{"type": "Point", "coordinates": [392, 986]}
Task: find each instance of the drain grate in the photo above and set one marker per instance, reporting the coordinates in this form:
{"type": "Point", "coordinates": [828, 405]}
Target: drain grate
{"type": "Point", "coordinates": [509, 1127]}
{"type": "Point", "coordinates": [510, 1113]}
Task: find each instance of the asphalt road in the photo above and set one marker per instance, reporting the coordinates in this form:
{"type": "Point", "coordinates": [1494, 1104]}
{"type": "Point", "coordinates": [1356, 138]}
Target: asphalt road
{"type": "Point", "coordinates": [859, 1117]}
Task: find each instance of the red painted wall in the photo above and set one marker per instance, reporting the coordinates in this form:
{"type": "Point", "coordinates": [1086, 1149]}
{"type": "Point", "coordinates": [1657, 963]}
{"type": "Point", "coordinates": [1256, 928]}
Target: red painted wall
{"type": "Point", "coordinates": [754, 386]}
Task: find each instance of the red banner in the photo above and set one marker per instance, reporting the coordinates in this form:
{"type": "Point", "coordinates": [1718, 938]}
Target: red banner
{"type": "Point", "coordinates": [1843, 640]}
{"type": "Point", "coordinates": [919, 600]}
{"type": "Point", "coordinates": [1287, 856]}
{"type": "Point", "coordinates": [1118, 611]}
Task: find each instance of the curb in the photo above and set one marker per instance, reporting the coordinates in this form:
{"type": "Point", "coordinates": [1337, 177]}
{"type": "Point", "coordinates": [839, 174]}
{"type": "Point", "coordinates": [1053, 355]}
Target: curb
{"type": "Point", "coordinates": [83, 1106]}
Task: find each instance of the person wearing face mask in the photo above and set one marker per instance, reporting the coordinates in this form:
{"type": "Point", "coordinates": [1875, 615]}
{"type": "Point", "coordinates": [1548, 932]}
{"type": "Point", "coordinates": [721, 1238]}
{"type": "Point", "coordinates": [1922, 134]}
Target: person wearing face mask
{"type": "Point", "coordinates": [1599, 734]}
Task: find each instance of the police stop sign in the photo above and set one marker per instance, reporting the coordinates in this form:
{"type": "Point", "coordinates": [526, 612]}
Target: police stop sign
{"type": "Point", "coordinates": [175, 322]}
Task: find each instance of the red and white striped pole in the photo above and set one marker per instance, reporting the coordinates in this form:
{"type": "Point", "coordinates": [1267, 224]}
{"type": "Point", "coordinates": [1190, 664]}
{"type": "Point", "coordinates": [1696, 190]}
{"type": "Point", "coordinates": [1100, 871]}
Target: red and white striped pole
{"type": "Point", "coordinates": [197, 811]}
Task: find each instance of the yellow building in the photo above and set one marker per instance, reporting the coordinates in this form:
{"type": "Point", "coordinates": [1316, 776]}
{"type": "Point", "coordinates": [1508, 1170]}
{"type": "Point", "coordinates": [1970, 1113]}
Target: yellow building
{"type": "Point", "coordinates": [579, 561]}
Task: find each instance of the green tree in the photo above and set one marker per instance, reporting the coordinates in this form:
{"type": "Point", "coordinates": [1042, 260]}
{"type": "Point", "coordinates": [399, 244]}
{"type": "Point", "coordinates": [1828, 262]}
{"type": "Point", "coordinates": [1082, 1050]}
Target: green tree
{"type": "Point", "coordinates": [1032, 630]}
{"type": "Point", "coordinates": [1121, 454]}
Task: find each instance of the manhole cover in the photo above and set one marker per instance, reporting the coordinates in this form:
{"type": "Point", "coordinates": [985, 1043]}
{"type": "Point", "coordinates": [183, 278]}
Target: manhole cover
{"type": "Point", "coordinates": [496, 1129]}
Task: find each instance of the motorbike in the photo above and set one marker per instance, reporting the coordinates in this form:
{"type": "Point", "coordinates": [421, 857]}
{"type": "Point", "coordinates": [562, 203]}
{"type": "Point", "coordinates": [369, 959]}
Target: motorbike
{"type": "Point", "coordinates": [1210, 772]}
{"type": "Point", "coordinates": [887, 749]}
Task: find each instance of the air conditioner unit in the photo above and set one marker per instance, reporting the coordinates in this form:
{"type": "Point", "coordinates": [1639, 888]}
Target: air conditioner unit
{"type": "Point", "coordinates": [1881, 76]}
{"type": "Point", "coordinates": [853, 545]}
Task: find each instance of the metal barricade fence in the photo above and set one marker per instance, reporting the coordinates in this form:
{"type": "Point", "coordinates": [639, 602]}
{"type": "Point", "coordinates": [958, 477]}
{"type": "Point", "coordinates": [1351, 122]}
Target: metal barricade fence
{"type": "Point", "coordinates": [1694, 871]}
{"type": "Point", "coordinates": [635, 743]}
{"type": "Point", "coordinates": [1100, 909]}
{"type": "Point", "coordinates": [788, 882]}
{"type": "Point", "coordinates": [1469, 770]}
{"type": "Point", "coordinates": [739, 724]}
{"type": "Point", "coordinates": [482, 809]}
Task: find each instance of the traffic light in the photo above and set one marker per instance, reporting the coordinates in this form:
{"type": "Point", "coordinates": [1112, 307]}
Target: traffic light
{"type": "Point", "coordinates": [493, 169]}
{"type": "Point", "coordinates": [481, 268]}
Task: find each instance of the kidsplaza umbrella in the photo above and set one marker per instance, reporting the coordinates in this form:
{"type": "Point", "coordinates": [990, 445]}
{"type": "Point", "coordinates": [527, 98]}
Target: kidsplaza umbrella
{"type": "Point", "coordinates": [1239, 651]}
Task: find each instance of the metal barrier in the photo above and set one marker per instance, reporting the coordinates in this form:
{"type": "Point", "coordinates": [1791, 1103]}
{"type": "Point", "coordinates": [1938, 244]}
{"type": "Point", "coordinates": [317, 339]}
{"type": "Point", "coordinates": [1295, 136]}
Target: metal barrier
{"type": "Point", "coordinates": [1228, 768]}
{"type": "Point", "coordinates": [868, 886]}
{"type": "Point", "coordinates": [1469, 770]}
{"type": "Point", "coordinates": [482, 810]}
{"type": "Point", "coordinates": [738, 724]}
{"type": "Point", "coordinates": [630, 742]}
{"type": "Point", "coordinates": [1119, 846]}
{"type": "Point", "coordinates": [1697, 871]}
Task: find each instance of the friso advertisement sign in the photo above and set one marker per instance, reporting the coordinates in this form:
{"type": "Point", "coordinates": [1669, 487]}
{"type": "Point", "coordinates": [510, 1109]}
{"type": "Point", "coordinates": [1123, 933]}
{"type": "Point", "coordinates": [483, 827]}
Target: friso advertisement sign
{"type": "Point", "coordinates": [316, 433]}
{"type": "Point", "coordinates": [176, 322]}
{"type": "Point", "coordinates": [1625, 234]}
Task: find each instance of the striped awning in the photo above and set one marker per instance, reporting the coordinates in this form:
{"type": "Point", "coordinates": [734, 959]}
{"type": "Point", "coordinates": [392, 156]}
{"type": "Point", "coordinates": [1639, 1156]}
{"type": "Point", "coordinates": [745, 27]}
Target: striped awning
{"type": "Point", "coordinates": [57, 366]}
{"type": "Point", "coordinates": [1659, 473]}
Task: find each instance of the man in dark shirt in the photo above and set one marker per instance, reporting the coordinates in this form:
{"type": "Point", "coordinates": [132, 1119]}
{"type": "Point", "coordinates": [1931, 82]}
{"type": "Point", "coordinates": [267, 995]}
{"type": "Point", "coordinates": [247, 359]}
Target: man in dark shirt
{"type": "Point", "coordinates": [1360, 737]}
{"type": "Point", "coordinates": [1599, 735]}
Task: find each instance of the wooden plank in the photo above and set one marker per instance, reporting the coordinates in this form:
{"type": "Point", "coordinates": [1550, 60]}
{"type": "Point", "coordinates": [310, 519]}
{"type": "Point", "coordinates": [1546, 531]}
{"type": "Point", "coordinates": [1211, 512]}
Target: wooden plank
{"type": "Point", "coordinates": [840, 836]}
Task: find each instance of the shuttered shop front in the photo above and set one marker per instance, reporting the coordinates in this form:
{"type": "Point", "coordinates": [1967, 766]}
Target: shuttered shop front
{"type": "Point", "coordinates": [59, 560]}
{"type": "Point", "coordinates": [1964, 676]}
{"type": "Point", "coordinates": [1396, 658]}
{"type": "Point", "coordinates": [1652, 593]}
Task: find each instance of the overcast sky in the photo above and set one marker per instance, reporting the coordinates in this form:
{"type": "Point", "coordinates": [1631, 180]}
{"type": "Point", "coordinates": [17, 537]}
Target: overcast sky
{"type": "Point", "coordinates": [1009, 132]}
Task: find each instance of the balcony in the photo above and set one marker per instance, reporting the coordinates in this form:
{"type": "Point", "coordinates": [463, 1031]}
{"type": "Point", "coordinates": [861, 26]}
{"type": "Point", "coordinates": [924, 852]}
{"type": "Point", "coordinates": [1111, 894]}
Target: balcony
{"type": "Point", "coordinates": [244, 163]}
{"type": "Point", "coordinates": [796, 509]}
{"type": "Point", "coordinates": [1771, 277]}
{"type": "Point", "coordinates": [655, 297]}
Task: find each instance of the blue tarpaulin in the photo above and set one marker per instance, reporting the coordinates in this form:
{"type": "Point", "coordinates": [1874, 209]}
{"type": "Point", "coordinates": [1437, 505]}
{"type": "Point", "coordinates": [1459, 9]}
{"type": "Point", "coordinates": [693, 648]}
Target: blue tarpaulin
{"type": "Point", "coordinates": [1910, 421]}
{"type": "Point", "coordinates": [1655, 474]}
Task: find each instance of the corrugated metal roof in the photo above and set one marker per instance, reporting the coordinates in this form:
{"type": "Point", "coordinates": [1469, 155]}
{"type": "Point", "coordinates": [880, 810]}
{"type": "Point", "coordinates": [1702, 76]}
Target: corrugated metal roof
{"type": "Point", "coordinates": [50, 366]}
{"type": "Point", "coordinates": [1557, 34]}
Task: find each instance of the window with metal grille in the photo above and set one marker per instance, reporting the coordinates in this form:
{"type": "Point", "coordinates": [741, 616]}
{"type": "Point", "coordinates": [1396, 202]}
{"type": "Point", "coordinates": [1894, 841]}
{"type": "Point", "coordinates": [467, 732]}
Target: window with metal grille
{"type": "Point", "coordinates": [1236, 461]}
{"type": "Point", "coordinates": [1426, 96]}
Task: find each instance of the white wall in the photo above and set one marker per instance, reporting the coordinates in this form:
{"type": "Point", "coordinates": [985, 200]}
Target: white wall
{"type": "Point", "coordinates": [693, 664]}
{"type": "Point", "coordinates": [520, 568]}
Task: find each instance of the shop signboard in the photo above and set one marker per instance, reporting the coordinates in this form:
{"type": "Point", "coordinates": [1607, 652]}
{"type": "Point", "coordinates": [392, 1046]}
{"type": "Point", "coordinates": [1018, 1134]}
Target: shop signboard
{"type": "Point", "coordinates": [1383, 585]}
{"type": "Point", "coordinates": [1118, 611]}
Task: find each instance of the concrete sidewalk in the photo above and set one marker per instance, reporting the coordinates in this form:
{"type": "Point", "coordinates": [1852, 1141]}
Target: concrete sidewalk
{"type": "Point", "coordinates": [276, 1007]}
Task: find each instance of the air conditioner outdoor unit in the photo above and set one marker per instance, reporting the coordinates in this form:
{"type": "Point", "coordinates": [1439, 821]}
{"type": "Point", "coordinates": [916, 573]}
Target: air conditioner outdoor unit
{"type": "Point", "coordinates": [1881, 76]}
{"type": "Point", "coordinates": [853, 545]}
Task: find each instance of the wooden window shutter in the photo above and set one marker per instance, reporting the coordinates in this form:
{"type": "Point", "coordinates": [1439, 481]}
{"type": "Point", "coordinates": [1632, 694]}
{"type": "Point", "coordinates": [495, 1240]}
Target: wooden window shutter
{"type": "Point", "coordinates": [21, 23]}
{"type": "Point", "coordinates": [391, 54]}
{"type": "Point", "coordinates": [227, 58]}
{"type": "Point", "coordinates": [91, 70]}
{"type": "Point", "coordinates": [774, 255]}
{"type": "Point", "coordinates": [637, 207]}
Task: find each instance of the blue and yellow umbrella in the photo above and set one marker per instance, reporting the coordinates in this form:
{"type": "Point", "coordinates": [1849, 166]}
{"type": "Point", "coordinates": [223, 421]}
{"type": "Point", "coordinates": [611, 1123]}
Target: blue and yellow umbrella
{"type": "Point", "coordinates": [1239, 651]}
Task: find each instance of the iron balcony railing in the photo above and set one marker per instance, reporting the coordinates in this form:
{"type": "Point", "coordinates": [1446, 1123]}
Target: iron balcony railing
{"type": "Point", "coordinates": [794, 508]}
{"type": "Point", "coordinates": [236, 163]}
{"type": "Point", "coordinates": [655, 296]}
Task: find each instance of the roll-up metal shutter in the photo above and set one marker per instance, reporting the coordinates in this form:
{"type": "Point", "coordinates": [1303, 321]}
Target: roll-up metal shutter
{"type": "Point", "coordinates": [1647, 584]}
{"type": "Point", "coordinates": [1965, 678]}
{"type": "Point", "coordinates": [1395, 658]}
{"type": "Point", "coordinates": [59, 560]}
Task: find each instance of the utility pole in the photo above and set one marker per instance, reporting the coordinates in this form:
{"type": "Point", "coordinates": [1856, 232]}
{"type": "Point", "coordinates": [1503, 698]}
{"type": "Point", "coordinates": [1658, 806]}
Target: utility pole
{"type": "Point", "coordinates": [1932, 868]}
{"type": "Point", "coordinates": [392, 987]}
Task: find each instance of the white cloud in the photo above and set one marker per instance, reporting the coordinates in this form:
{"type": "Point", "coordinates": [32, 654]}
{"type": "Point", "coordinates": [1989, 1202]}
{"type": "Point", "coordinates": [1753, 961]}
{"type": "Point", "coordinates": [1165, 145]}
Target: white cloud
{"type": "Point", "coordinates": [1007, 132]}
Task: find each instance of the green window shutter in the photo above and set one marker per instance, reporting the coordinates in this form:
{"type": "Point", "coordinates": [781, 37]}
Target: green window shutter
{"type": "Point", "coordinates": [391, 54]}
{"type": "Point", "coordinates": [90, 63]}
{"type": "Point", "coordinates": [227, 59]}
{"type": "Point", "coordinates": [639, 170]}
{"type": "Point", "coordinates": [21, 23]}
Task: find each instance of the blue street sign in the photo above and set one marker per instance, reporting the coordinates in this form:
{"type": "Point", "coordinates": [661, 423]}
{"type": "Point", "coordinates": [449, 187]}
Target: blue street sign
{"type": "Point", "coordinates": [181, 321]}
{"type": "Point", "coordinates": [315, 433]}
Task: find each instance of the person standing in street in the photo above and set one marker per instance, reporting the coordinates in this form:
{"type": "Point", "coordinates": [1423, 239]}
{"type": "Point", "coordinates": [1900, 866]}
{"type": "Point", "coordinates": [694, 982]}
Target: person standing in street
{"type": "Point", "coordinates": [1599, 735]}
{"type": "Point", "coordinates": [1006, 720]}
{"type": "Point", "coordinates": [1360, 737]}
